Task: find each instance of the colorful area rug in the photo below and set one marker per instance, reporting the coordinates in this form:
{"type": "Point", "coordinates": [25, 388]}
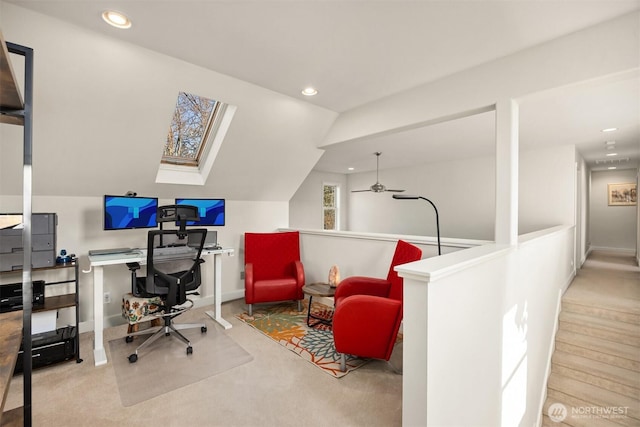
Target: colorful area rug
{"type": "Point", "coordinates": [287, 326]}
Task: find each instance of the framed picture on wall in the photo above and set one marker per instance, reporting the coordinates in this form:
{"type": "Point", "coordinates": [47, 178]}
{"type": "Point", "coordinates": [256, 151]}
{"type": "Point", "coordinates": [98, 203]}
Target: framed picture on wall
{"type": "Point", "coordinates": [622, 194]}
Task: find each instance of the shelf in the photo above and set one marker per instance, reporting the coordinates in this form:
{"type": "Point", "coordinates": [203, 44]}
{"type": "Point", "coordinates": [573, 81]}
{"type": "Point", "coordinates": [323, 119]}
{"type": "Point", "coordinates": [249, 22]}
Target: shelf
{"type": "Point", "coordinates": [10, 98]}
{"type": "Point", "coordinates": [56, 302]}
{"type": "Point", "coordinates": [10, 339]}
{"type": "Point", "coordinates": [13, 417]}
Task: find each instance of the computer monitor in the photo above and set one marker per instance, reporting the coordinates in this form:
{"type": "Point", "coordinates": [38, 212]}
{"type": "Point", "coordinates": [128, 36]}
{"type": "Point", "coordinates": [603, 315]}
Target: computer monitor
{"type": "Point", "coordinates": [123, 212]}
{"type": "Point", "coordinates": [211, 211]}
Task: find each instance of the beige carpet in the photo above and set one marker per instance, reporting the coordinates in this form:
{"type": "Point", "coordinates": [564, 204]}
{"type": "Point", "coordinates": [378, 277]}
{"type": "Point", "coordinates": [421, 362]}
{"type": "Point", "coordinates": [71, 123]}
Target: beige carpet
{"type": "Point", "coordinates": [165, 366]}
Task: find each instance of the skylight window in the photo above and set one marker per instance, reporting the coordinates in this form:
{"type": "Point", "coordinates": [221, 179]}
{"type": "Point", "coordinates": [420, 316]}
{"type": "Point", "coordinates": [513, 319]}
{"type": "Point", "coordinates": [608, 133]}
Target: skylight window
{"type": "Point", "coordinates": [190, 125]}
{"type": "Point", "coordinates": [194, 137]}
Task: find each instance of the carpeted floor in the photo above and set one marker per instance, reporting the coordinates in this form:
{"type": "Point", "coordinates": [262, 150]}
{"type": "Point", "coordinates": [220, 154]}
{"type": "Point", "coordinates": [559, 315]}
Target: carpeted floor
{"type": "Point", "coordinates": [277, 388]}
{"type": "Point", "coordinates": [165, 366]}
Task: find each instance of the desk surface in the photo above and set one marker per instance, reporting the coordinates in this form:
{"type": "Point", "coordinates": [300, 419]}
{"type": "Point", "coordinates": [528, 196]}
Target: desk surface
{"type": "Point", "coordinates": [140, 255]}
{"type": "Point", "coordinates": [10, 340]}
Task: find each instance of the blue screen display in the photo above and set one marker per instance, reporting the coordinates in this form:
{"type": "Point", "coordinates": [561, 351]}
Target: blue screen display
{"type": "Point", "coordinates": [211, 211]}
{"type": "Point", "coordinates": [121, 213]}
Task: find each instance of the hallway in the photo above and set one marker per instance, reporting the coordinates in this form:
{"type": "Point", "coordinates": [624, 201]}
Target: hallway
{"type": "Point", "coordinates": [595, 374]}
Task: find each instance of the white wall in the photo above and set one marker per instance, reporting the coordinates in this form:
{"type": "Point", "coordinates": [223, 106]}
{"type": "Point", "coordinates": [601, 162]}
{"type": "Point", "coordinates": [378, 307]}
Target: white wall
{"type": "Point", "coordinates": [487, 332]}
{"type": "Point", "coordinates": [462, 190]}
{"type": "Point", "coordinates": [305, 207]}
{"type": "Point", "coordinates": [80, 229]}
{"type": "Point", "coordinates": [547, 188]}
{"type": "Point", "coordinates": [612, 227]}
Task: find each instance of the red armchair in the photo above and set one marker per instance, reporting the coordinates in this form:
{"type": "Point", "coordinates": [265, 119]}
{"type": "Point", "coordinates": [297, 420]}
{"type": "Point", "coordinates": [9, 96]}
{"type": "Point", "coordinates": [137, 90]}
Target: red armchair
{"type": "Point", "coordinates": [368, 310]}
{"type": "Point", "coordinates": [272, 270]}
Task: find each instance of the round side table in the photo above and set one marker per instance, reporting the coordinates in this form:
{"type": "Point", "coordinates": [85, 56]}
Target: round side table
{"type": "Point", "coordinates": [318, 289]}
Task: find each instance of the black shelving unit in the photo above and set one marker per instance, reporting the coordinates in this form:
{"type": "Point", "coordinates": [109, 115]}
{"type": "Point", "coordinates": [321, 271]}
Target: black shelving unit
{"type": "Point", "coordinates": [67, 300]}
{"type": "Point", "coordinates": [14, 110]}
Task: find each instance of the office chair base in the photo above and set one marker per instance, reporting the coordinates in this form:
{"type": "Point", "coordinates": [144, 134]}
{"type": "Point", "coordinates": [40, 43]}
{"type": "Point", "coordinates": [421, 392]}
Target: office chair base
{"type": "Point", "coordinates": [166, 330]}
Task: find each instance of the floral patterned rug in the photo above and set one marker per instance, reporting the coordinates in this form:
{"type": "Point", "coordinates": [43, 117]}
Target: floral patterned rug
{"type": "Point", "coordinates": [286, 325]}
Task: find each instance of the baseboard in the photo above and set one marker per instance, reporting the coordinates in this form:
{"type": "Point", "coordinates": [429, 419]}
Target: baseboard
{"type": "Point", "coordinates": [234, 295]}
{"type": "Point", "coordinates": [568, 281]}
{"type": "Point", "coordinates": [552, 348]}
{"type": "Point", "coordinates": [623, 251]}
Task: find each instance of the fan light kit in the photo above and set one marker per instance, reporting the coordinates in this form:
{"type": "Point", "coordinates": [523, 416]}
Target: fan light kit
{"type": "Point", "coordinates": [377, 187]}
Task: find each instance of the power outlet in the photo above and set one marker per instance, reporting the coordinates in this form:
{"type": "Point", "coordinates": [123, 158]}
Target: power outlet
{"type": "Point", "coordinates": [107, 297]}
{"type": "Point", "coordinates": [242, 275]}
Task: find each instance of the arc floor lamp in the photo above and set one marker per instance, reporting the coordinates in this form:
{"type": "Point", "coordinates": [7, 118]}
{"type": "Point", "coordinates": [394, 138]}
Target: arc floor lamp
{"type": "Point", "coordinates": [410, 197]}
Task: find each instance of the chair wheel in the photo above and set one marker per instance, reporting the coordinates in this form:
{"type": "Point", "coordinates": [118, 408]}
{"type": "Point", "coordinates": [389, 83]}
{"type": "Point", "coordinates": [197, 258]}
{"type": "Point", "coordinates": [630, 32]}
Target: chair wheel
{"type": "Point", "coordinates": [133, 358]}
{"type": "Point", "coordinates": [189, 350]}
{"type": "Point", "coordinates": [203, 329]}
{"type": "Point", "coordinates": [128, 339]}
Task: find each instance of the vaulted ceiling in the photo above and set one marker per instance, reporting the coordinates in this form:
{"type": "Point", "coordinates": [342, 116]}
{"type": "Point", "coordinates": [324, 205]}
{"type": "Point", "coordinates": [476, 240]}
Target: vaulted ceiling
{"type": "Point", "coordinates": [357, 52]}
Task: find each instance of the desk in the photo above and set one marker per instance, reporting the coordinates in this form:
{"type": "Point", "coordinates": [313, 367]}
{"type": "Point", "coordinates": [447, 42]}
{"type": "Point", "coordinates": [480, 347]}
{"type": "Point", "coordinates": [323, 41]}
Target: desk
{"type": "Point", "coordinates": [97, 264]}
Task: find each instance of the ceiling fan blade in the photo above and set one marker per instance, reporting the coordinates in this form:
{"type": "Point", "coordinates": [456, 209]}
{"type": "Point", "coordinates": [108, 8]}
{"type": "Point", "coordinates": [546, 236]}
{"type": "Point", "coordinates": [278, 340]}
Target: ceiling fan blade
{"type": "Point", "coordinates": [395, 191]}
{"type": "Point", "coordinates": [359, 191]}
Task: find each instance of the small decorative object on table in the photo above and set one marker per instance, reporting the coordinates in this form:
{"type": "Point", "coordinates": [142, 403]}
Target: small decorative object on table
{"type": "Point", "coordinates": [334, 276]}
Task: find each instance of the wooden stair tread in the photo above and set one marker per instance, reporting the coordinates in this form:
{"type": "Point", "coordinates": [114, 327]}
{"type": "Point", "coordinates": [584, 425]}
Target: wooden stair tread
{"type": "Point", "coordinates": [598, 381]}
{"type": "Point", "coordinates": [599, 344]}
{"type": "Point", "coordinates": [599, 356]}
{"type": "Point", "coordinates": [604, 370]}
{"type": "Point", "coordinates": [627, 314]}
{"type": "Point", "coordinates": [594, 395]}
{"type": "Point", "coordinates": [625, 328]}
{"type": "Point", "coordinates": [571, 402]}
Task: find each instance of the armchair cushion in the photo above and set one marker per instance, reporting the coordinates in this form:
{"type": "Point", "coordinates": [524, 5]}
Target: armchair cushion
{"type": "Point", "coordinates": [273, 270]}
{"type": "Point", "coordinates": [360, 285]}
{"type": "Point", "coordinates": [367, 326]}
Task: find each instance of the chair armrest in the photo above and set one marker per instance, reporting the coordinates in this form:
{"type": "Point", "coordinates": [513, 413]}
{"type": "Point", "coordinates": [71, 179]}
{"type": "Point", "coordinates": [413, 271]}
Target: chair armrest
{"type": "Point", "coordinates": [360, 285]}
{"type": "Point", "coordinates": [367, 326]}
{"type": "Point", "coordinates": [248, 283]}
{"type": "Point", "coordinates": [299, 272]}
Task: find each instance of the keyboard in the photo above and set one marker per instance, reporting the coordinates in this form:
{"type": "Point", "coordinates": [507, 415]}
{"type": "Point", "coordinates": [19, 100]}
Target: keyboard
{"type": "Point", "coordinates": [114, 251]}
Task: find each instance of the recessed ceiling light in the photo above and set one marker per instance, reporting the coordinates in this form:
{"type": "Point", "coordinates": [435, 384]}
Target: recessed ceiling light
{"type": "Point", "coordinates": [351, 169]}
{"type": "Point", "coordinates": [611, 154]}
{"type": "Point", "coordinates": [612, 167]}
{"type": "Point", "coordinates": [609, 129]}
{"type": "Point", "coordinates": [116, 19]}
{"type": "Point", "coordinates": [309, 91]}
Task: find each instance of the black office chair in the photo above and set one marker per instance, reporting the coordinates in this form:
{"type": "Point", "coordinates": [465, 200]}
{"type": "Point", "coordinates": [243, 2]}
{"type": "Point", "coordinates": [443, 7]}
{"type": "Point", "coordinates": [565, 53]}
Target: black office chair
{"type": "Point", "coordinates": [163, 281]}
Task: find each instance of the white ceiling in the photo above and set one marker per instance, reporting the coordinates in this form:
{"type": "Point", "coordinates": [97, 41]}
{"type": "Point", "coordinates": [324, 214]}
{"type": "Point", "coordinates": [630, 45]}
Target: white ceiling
{"type": "Point", "coordinates": [355, 52]}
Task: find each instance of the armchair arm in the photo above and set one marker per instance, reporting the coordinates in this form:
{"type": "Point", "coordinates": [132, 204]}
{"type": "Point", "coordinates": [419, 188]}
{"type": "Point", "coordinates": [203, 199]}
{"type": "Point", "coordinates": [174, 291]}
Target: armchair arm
{"type": "Point", "coordinates": [299, 271]}
{"type": "Point", "coordinates": [367, 326]}
{"type": "Point", "coordinates": [360, 285]}
{"type": "Point", "coordinates": [248, 283]}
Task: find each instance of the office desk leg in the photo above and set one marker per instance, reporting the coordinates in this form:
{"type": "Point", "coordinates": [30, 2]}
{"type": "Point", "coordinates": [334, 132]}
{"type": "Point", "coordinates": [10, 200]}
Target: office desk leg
{"type": "Point", "coordinates": [217, 294]}
{"type": "Point", "coordinates": [99, 354]}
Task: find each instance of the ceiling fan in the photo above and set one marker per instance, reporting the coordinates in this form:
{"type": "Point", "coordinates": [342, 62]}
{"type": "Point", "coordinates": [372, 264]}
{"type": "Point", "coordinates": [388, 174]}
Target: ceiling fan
{"type": "Point", "coordinates": [377, 187]}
